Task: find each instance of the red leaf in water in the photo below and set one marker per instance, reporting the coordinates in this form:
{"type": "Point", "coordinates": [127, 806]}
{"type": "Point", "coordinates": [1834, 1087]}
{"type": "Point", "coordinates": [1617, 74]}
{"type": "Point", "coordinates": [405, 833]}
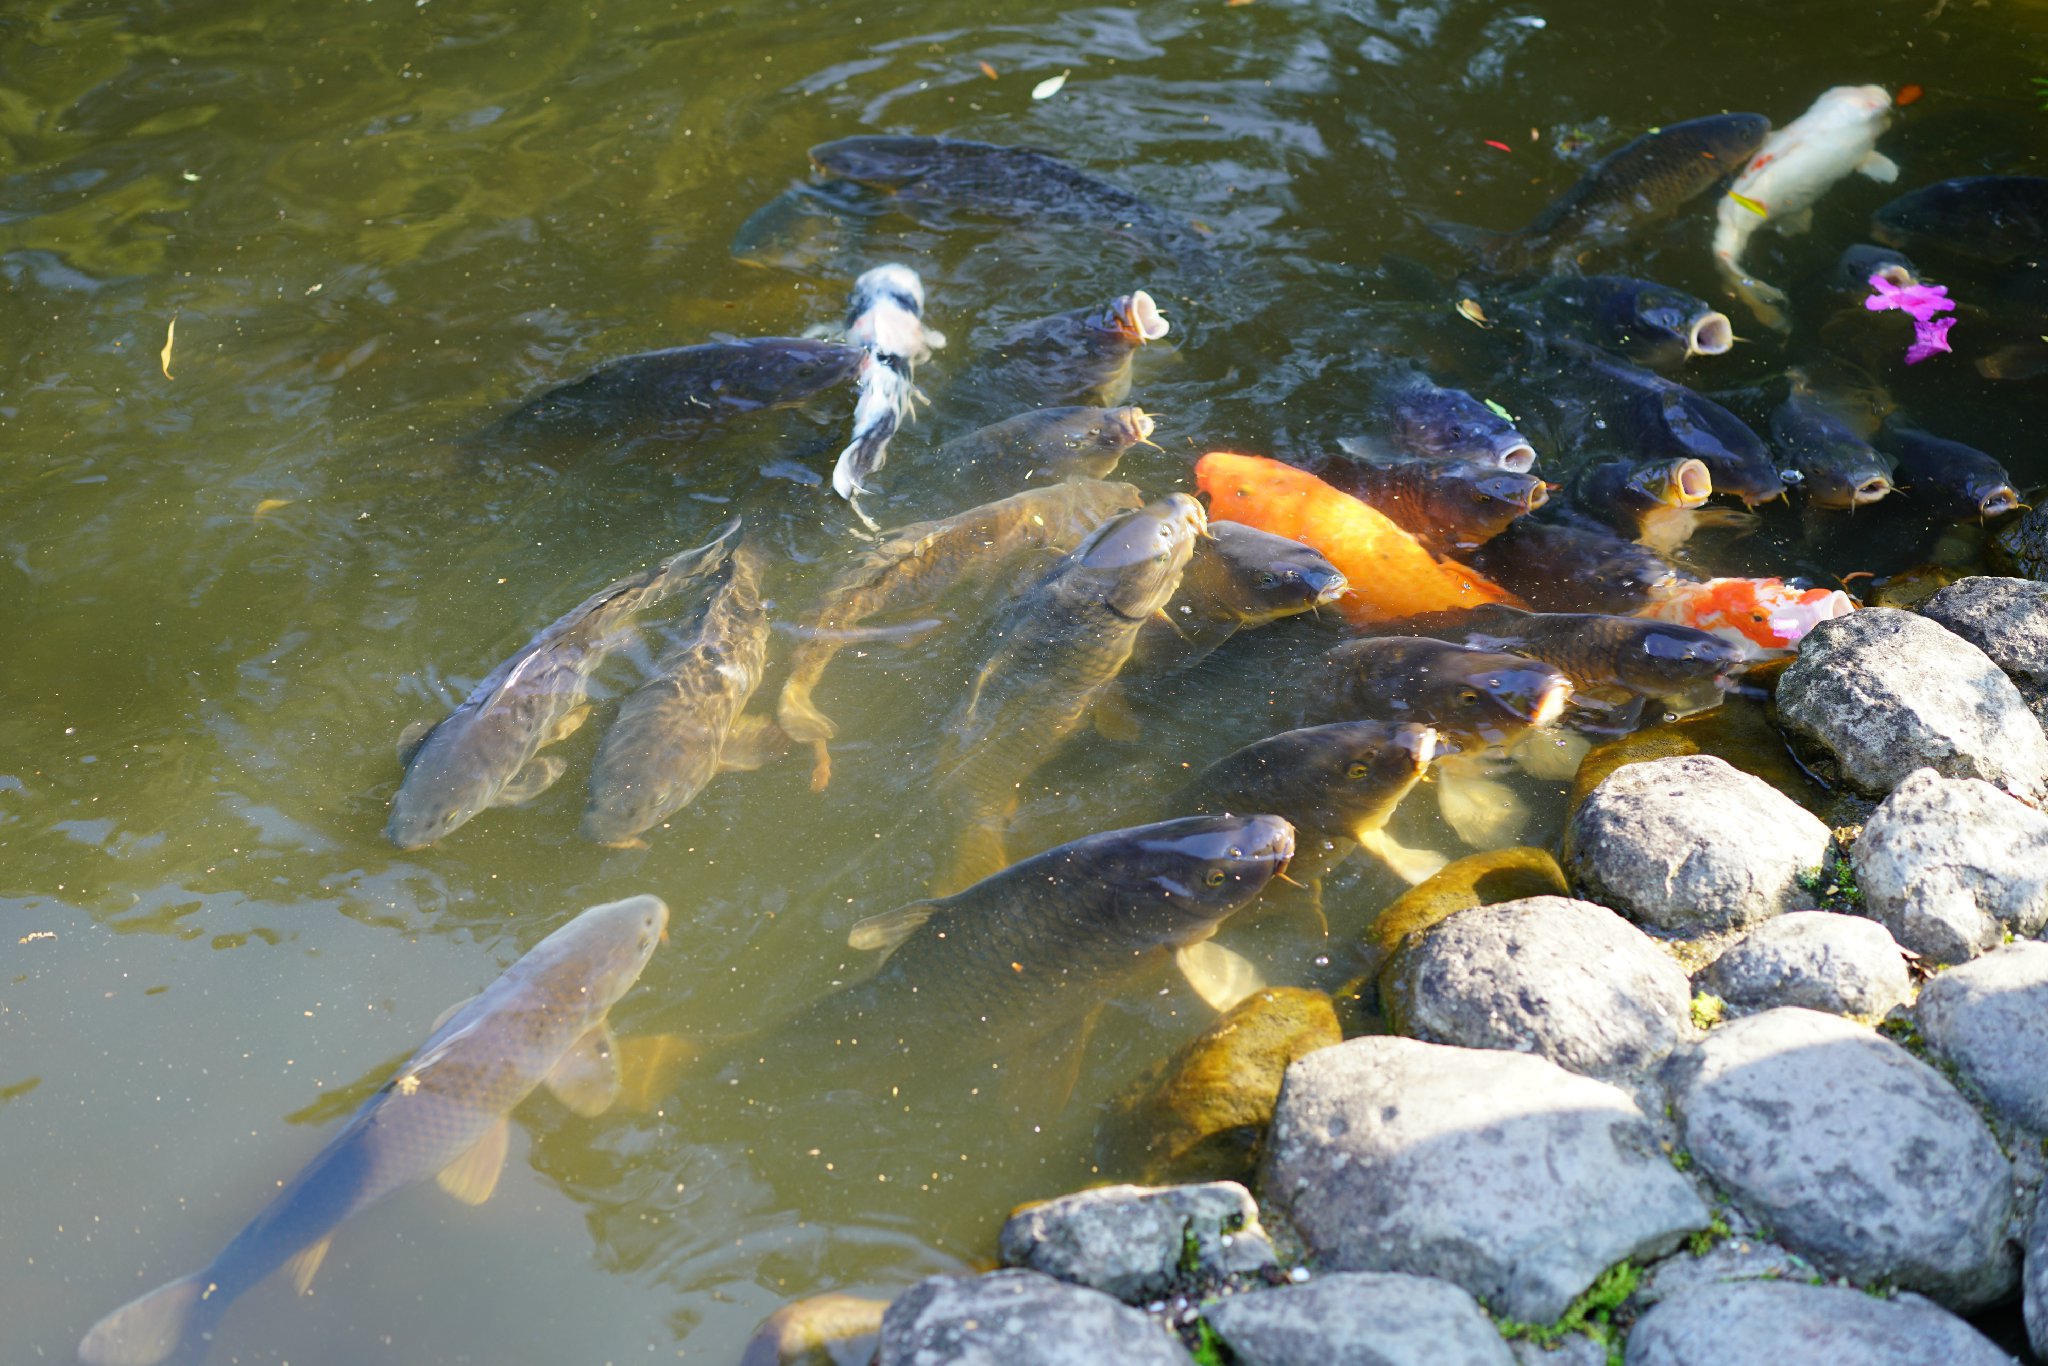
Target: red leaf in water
{"type": "Point", "coordinates": [1502, 145]}
{"type": "Point", "coordinates": [1908, 94]}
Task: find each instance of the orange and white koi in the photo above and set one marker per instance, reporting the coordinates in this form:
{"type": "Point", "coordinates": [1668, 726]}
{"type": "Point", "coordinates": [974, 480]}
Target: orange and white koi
{"type": "Point", "coordinates": [1765, 617]}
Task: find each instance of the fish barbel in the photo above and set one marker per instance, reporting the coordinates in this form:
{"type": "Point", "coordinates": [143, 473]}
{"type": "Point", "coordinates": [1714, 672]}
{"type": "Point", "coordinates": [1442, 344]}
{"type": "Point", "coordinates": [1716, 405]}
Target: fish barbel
{"type": "Point", "coordinates": [686, 723]}
{"type": "Point", "coordinates": [445, 1112]}
{"type": "Point", "coordinates": [917, 564]}
{"type": "Point", "coordinates": [1799, 163]}
{"type": "Point", "coordinates": [486, 752]}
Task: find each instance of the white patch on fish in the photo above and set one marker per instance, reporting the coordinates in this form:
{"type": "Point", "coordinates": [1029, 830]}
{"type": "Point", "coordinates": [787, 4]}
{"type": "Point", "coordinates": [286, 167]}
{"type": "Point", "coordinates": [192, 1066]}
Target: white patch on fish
{"type": "Point", "coordinates": [1834, 139]}
{"type": "Point", "coordinates": [885, 318]}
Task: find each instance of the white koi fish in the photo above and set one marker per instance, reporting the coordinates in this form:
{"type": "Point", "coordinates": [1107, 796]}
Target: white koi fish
{"type": "Point", "coordinates": [1837, 137]}
{"type": "Point", "coordinates": [886, 319]}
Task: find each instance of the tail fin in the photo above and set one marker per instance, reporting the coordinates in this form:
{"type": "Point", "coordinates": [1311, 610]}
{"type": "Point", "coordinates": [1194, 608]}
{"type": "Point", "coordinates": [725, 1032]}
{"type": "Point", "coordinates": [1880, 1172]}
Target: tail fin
{"type": "Point", "coordinates": [163, 1326]}
{"type": "Point", "coordinates": [885, 397]}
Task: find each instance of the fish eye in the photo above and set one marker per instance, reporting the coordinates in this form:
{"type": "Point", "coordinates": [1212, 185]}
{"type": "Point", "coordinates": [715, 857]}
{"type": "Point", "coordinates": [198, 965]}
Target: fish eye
{"type": "Point", "coordinates": [1358, 770]}
{"type": "Point", "coordinates": [1268, 580]}
{"type": "Point", "coordinates": [1215, 877]}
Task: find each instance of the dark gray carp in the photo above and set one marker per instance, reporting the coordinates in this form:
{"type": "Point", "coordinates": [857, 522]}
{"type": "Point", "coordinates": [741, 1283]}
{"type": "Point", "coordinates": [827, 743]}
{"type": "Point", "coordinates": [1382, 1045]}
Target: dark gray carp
{"type": "Point", "coordinates": [1574, 567]}
{"type": "Point", "coordinates": [1648, 658]}
{"type": "Point", "coordinates": [1477, 697]}
{"type": "Point", "coordinates": [1995, 218]}
{"type": "Point", "coordinates": [1947, 478]}
{"type": "Point", "coordinates": [1239, 578]}
{"type": "Point", "coordinates": [444, 1114]}
{"type": "Point", "coordinates": [687, 723]}
{"type": "Point", "coordinates": [1824, 455]}
{"type": "Point", "coordinates": [486, 752]}
{"type": "Point", "coordinates": [1449, 505]}
{"type": "Point", "coordinates": [1061, 644]}
{"type": "Point", "coordinates": [1630, 189]}
{"type": "Point", "coordinates": [1419, 417]}
{"type": "Point", "coordinates": [1079, 357]}
{"type": "Point", "coordinates": [1639, 320]}
{"type": "Point", "coordinates": [916, 565]}
{"type": "Point", "coordinates": [1046, 445]}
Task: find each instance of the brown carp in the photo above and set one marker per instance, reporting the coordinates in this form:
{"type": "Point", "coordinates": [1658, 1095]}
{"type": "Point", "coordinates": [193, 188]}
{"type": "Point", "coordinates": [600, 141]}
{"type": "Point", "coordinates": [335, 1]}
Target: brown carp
{"type": "Point", "coordinates": [1079, 357]}
{"type": "Point", "coordinates": [1238, 578]}
{"type": "Point", "coordinates": [916, 565]}
{"type": "Point", "coordinates": [445, 1112]}
{"type": "Point", "coordinates": [1046, 445]}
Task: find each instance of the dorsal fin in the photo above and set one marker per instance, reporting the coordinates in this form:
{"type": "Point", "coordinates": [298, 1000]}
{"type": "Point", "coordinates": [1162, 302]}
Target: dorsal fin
{"type": "Point", "coordinates": [411, 738]}
{"type": "Point", "coordinates": [889, 929]}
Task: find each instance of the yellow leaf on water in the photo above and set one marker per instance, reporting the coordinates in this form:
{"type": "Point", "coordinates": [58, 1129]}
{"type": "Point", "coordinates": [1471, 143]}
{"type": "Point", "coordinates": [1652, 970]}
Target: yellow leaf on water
{"type": "Point", "coordinates": [1049, 87]}
{"type": "Point", "coordinates": [271, 505]}
{"type": "Point", "coordinates": [1752, 205]}
{"type": "Point", "coordinates": [170, 336]}
{"type": "Point", "coordinates": [987, 70]}
{"type": "Point", "coordinates": [1470, 310]}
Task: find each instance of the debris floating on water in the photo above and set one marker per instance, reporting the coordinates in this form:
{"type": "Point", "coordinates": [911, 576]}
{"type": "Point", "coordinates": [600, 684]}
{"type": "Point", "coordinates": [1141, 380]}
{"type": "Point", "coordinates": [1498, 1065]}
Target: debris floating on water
{"type": "Point", "coordinates": [1049, 87]}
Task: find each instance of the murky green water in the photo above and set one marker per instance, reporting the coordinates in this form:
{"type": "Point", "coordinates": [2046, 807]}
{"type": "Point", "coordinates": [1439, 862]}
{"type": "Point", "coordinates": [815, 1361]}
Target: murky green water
{"type": "Point", "coordinates": [378, 224]}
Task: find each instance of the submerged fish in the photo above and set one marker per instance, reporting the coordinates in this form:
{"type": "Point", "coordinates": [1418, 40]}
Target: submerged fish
{"type": "Point", "coordinates": [1834, 139]}
{"type": "Point", "coordinates": [680, 392]}
{"type": "Point", "coordinates": [886, 319]}
{"type": "Point", "coordinates": [1451, 506]}
{"type": "Point", "coordinates": [1018, 183]}
{"type": "Point", "coordinates": [1477, 697]}
{"type": "Point", "coordinates": [1641, 183]}
{"type": "Point", "coordinates": [485, 753]}
{"type": "Point", "coordinates": [1046, 445]}
{"type": "Point", "coordinates": [1337, 784]}
{"type": "Point", "coordinates": [1079, 357]}
{"type": "Point", "coordinates": [1995, 218]}
{"type": "Point", "coordinates": [445, 1113]}
{"type": "Point", "coordinates": [1639, 320]}
{"type": "Point", "coordinates": [1570, 567]}
{"type": "Point", "coordinates": [1023, 959]}
{"type": "Point", "coordinates": [1063, 641]}
{"type": "Point", "coordinates": [686, 723]}
{"type": "Point", "coordinates": [1833, 466]}
{"type": "Point", "coordinates": [1416, 415]}
{"type": "Point", "coordinates": [1947, 478]}
{"type": "Point", "coordinates": [1649, 658]}
{"type": "Point", "coordinates": [1654, 419]}
{"type": "Point", "coordinates": [1657, 503]}
{"type": "Point", "coordinates": [1239, 578]}
{"type": "Point", "coordinates": [917, 564]}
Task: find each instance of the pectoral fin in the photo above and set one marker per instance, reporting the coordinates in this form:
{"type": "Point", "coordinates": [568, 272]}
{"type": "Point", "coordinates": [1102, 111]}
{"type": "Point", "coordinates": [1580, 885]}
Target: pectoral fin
{"type": "Point", "coordinates": [571, 722]}
{"type": "Point", "coordinates": [1114, 719]}
{"type": "Point", "coordinates": [472, 1177]}
{"type": "Point", "coordinates": [1038, 1083]}
{"type": "Point", "coordinates": [1410, 865]}
{"type": "Point", "coordinates": [754, 741]}
{"type": "Point", "coordinates": [411, 738]}
{"type": "Point", "coordinates": [1552, 755]}
{"type": "Point", "coordinates": [1487, 814]}
{"type": "Point", "coordinates": [890, 928]}
{"type": "Point", "coordinates": [586, 1078]}
{"type": "Point", "coordinates": [537, 777]}
{"type": "Point", "coordinates": [1879, 168]}
{"type": "Point", "coordinates": [1221, 977]}
{"type": "Point", "coordinates": [305, 1264]}
{"type": "Point", "coordinates": [649, 1067]}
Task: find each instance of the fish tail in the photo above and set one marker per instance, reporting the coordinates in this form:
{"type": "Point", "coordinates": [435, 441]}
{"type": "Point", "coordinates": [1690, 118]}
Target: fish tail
{"type": "Point", "coordinates": [982, 852]}
{"type": "Point", "coordinates": [885, 398]}
{"type": "Point", "coordinates": [168, 1325]}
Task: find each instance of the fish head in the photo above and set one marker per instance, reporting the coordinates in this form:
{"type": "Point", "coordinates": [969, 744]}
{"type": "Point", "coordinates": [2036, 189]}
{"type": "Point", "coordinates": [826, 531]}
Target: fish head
{"type": "Point", "coordinates": [595, 958]}
{"type": "Point", "coordinates": [1731, 139]}
{"type": "Point", "coordinates": [1667, 660]}
{"type": "Point", "coordinates": [1450, 424]}
{"type": "Point", "coordinates": [1135, 560]}
{"type": "Point", "coordinates": [1683, 483]}
{"type": "Point", "coordinates": [1734, 455]}
{"type": "Point", "coordinates": [1178, 880]}
{"type": "Point", "coordinates": [881, 161]}
{"type": "Point", "coordinates": [1269, 576]}
{"type": "Point", "coordinates": [894, 283]}
{"type": "Point", "coordinates": [1853, 107]}
{"type": "Point", "coordinates": [1473, 697]}
{"type": "Point", "coordinates": [791, 368]}
{"type": "Point", "coordinates": [1136, 317]}
{"type": "Point", "coordinates": [1128, 426]}
{"type": "Point", "coordinates": [1995, 501]}
{"type": "Point", "coordinates": [1482, 499]}
{"type": "Point", "coordinates": [1854, 267]}
{"type": "Point", "coordinates": [443, 789]}
{"type": "Point", "coordinates": [1362, 769]}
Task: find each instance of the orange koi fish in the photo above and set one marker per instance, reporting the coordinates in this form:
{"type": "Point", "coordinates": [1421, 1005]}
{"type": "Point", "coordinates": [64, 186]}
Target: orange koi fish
{"type": "Point", "coordinates": [1766, 617]}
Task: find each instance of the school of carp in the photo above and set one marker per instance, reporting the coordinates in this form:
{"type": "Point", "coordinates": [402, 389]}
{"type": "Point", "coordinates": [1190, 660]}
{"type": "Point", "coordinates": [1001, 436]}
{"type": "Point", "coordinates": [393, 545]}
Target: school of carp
{"type": "Point", "coordinates": [1513, 590]}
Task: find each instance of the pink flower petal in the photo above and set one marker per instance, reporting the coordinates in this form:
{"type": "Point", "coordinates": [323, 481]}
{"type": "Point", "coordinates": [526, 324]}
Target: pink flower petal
{"type": "Point", "coordinates": [1929, 338]}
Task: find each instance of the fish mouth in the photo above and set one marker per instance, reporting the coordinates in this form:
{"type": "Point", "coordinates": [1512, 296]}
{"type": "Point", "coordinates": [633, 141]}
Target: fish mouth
{"type": "Point", "coordinates": [1998, 502]}
{"type": "Point", "coordinates": [1135, 426]}
{"type": "Point", "coordinates": [1870, 491]}
{"type": "Point", "coordinates": [1895, 274]}
{"type": "Point", "coordinates": [1711, 334]}
{"type": "Point", "coordinates": [1139, 318]}
{"type": "Point", "coordinates": [1518, 457]}
{"type": "Point", "coordinates": [1536, 497]}
{"type": "Point", "coordinates": [1691, 484]}
{"type": "Point", "coordinates": [1550, 705]}
{"type": "Point", "coordinates": [1331, 589]}
{"type": "Point", "coordinates": [1422, 744]}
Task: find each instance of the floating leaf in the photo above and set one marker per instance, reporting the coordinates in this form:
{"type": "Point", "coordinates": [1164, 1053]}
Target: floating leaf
{"type": "Point", "coordinates": [1050, 86]}
{"type": "Point", "coordinates": [1752, 205]}
{"type": "Point", "coordinates": [271, 505]}
{"type": "Point", "coordinates": [1502, 145]}
{"type": "Point", "coordinates": [1500, 412]}
{"type": "Point", "coordinates": [1471, 312]}
{"type": "Point", "coordinates": [987, 70]}
{"type": "Point", "coordinates": [1909, 94]}
{"type": "Point", "coordinates": [170, 336]}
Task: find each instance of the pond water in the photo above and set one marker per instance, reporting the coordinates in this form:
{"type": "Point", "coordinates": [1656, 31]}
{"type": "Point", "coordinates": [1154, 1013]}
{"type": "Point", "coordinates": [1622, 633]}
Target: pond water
{"type": "Point", "coordinates": [380, 224]}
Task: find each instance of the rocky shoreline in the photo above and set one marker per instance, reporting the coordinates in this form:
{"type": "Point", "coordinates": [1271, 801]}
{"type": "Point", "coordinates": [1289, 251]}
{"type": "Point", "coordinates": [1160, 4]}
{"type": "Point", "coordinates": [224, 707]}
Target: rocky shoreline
{"type": "Point", "coordinates": [1757, 1085]}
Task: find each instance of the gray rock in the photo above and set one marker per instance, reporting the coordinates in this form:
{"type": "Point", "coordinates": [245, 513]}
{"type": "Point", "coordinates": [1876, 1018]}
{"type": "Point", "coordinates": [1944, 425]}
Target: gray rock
{"type": "Point", "coordinates": [1842, 964]}
{"type": "Point", "coordinates": [1138, 1242]}
{"type": "Point", "coordinates": [1880, 692]}
{"type": "Point", "coordinates": [1944, 864]}
{"type": "Point", "coordinates": [1691, 845]}
{"type": "Point", "coordinates": [1990, 1018]}
{"type": "Point", "coordinates": [1359, 1319]}
{"type": "Point", "coordinates": [1019, 1318]}
{"type": "Point", "coordinates": [1575, 1349]}
{"type": "Point", "coordinates": [1500, 1172]}
{"type": "Point", "coordinates": [2008, 620]}
{"type": "Point", "coordinates": [1564, 979]}
{"type": "Point", "coordinates": [1731, 1259]}
{"type": "Point", "coordinates": [2034, 1303]}
{"type": "Point", "coordinates": [1777, 1321]}
{"type": "Point", "coordinates": [1857, 1155]}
